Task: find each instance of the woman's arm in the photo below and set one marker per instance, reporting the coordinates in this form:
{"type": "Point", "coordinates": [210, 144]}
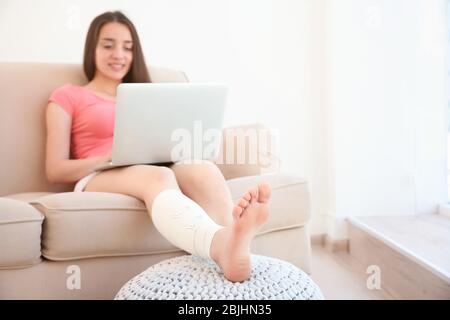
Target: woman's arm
{"type": "Point", "coordinates": [58, 166]}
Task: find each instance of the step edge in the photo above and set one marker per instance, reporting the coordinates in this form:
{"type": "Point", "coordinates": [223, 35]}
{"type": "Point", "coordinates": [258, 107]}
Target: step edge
{"type": "Point", "coordinates": [436, 270]}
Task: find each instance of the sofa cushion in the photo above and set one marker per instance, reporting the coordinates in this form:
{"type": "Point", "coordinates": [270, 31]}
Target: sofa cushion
{"type": "Point", "coordinates": [20, 234]}
{"type": "Point", "coordinates": [94, 224]}
{"type": "Point", "coordinates": [256, 143]}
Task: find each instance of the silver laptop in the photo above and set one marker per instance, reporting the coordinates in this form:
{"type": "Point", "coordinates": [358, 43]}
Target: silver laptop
{"type": "Point", "coordinates": [167, 122]}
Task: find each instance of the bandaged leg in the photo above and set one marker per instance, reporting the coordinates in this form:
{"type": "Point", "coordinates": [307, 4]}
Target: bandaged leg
{"type": "Point", "coordinates": [183, 222]}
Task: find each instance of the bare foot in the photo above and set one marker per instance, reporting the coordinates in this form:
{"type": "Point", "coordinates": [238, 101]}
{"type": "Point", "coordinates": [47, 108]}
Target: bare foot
{"type": "Point", "coordinates": [230, 248]}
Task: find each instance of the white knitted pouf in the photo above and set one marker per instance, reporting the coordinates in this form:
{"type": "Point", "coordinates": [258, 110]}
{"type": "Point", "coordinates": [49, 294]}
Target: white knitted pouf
{"type": "Point", "coordinates": [192, 277]}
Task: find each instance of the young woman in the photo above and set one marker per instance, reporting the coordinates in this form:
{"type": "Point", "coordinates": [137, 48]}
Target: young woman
{"type": "Point", "coordinates": [189, 204]}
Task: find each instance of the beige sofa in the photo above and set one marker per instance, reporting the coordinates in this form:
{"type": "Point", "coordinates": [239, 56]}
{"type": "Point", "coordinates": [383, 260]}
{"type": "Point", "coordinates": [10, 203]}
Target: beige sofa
{"type": "Point", "coordinates": [49, 235]}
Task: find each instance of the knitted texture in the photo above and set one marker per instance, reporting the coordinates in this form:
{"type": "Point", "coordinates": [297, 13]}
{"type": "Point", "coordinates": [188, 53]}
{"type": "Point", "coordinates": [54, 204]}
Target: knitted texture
{"type": "Point", "coordinates": [191, 277]}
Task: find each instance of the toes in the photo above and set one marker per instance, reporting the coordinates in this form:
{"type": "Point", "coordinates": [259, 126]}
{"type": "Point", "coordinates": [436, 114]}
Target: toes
{"type": "Point", "coordinates": [254, 195]}
{"type": "Point", "coordinates": [247, 196]}
{"type": "Point", "coordinates": [264, 191]}
{"type": "Point", "coordinates": [237, 211]}
{"type": "Point", "coordinates": [243, 203]}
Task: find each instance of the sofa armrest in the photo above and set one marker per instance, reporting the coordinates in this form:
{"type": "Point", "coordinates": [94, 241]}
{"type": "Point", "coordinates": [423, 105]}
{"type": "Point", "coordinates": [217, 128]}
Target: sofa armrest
{"type": "Point", "coordinates": [248, 150]}
{"type": "Point", "coordinates": [20, 234]}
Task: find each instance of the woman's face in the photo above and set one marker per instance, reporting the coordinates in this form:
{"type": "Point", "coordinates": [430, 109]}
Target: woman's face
{"type": "Point", "coordinates": [113, 55]}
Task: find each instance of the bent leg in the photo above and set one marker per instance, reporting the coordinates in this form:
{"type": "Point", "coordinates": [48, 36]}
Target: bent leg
{"type": "Point", "coordinates": [205, 184]}
{"type": "Point", "coordinates": [177, 217]}
{"type": "Point", "coordinates": [185, 223]}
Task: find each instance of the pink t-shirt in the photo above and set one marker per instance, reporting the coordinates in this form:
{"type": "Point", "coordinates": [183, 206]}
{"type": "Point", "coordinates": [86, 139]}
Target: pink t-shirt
{"type": "Point", "coordinates": [92, 120]}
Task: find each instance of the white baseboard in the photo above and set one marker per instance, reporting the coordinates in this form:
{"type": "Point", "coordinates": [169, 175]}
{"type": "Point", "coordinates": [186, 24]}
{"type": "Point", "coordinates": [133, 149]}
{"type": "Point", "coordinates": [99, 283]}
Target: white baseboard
{"type": "Point", "coordinates": [330, 244]}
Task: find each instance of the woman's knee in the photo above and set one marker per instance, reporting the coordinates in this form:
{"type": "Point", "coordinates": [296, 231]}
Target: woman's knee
{"type": "Point", "coordinates": [196, 162]}
{"type": "Point", "coordinates": [152, 172]}
{"type": "Point", "coordinates": [154, 178]}
{"type": "Point", "coordinates": [199, 177]}
{"type": "Point", "coordinates": [211, 170]}
{"type": "Point", "coordinates": [197, 170]}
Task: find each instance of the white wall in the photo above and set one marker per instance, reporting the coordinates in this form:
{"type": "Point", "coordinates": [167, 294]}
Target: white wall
{"type": "Point", "coordinates": [388, 103]}
{"type": "Point", "coordinates": [356, 88]}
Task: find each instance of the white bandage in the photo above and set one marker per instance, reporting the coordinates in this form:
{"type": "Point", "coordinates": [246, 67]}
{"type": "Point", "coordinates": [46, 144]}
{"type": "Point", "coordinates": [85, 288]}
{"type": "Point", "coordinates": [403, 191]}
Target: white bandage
{"type": "Point", "coordinates": [183, 222]}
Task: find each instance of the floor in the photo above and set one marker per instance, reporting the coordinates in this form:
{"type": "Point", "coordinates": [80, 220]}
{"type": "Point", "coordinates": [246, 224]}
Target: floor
{"type": "Point", "coordinates": [341, 277]}
{"type": "Point", "coordinates": [419, 240]}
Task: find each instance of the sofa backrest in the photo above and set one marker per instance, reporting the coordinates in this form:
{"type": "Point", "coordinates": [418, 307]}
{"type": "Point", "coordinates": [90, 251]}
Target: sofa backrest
{"type": "Point", "coordinates": [24, 91]}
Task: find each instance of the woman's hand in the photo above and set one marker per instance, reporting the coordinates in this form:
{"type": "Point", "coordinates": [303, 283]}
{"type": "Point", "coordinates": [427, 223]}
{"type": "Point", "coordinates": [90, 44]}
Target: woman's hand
{"type": "Point", "coordinates": [101, 160]}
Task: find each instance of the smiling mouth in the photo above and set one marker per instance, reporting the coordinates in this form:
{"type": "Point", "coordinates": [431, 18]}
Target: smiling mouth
{"type": "Point", "coordinates": [116, 66]}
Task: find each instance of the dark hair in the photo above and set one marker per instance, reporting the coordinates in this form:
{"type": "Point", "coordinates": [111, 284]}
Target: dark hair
{"type": "Point", "coordinates": [138, 70]}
